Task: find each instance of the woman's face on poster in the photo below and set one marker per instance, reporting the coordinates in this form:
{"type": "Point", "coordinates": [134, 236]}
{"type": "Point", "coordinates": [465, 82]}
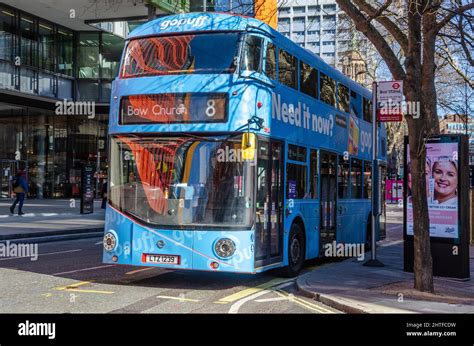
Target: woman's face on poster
{"type": "Point", "coordinates": [446, 178]}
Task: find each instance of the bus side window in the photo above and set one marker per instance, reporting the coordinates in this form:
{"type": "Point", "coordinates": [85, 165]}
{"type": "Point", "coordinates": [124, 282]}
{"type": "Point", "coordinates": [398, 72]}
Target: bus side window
{"type": "Point", "coordinates": [355, 105]}
{"type": "Point", "coordinates": [343, 97]}
{"type": "Point", "coordinates": [251, 57]}
{"type": "Point", "coordinates": [328, 89]}
{"type": "Point", "coordinates": [313, 174]}
{"type": "Point", "coordinates": [295, 181]}
{"type": "Point", "coordinates": [343, 178]}
{"type": "Point", "coordinates": [367, 110]}
{"type": "Point", "coordinates": [356, 178]}
{"type": "Point", "coordinates": [271, 61]}
{"type": "Point", "coordinates": [367, 179]}
{"type": "Point", "coordinates": [308, 80]}
{"type": "Point", "coordinates": [287, 69]}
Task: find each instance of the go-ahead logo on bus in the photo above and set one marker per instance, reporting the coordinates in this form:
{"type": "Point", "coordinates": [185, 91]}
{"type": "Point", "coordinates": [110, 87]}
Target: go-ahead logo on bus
{"type": "Point", "coordinates": [196, 22]}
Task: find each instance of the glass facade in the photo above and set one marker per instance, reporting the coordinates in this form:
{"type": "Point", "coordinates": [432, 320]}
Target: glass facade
{"type": "Point", "coordinates": [41, 58]}
{"type": "Point", "coordinates": [53, 147]}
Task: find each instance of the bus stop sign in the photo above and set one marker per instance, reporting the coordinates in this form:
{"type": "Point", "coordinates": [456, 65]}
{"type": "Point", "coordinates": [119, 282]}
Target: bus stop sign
{"type": "Point", "coordinates": [390, 101]}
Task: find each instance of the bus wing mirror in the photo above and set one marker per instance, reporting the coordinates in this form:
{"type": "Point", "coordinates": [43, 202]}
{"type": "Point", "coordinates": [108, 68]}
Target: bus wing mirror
{"type": "Point", "coordinates": [249, 144]}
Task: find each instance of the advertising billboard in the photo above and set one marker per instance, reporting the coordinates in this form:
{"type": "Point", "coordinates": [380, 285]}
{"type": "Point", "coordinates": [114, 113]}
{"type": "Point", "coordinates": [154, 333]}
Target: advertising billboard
{"type": "Point", "coordinates": [447, 187]}
{"type": "Point", "coordinates": [441, 171]}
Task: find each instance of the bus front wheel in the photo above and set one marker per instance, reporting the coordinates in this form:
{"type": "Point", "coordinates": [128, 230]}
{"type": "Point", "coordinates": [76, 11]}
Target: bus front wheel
{"type": "Point", "coordinates": [296, 251]}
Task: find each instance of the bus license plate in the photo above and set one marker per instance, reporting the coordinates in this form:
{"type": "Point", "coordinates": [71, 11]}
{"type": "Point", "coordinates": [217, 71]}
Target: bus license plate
{"type": "Point", "coordinates": [163, 259]}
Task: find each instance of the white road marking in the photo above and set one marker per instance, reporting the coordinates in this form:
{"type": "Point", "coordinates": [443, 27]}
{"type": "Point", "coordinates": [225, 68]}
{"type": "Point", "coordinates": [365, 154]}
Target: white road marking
{"type": "Point", "coordinates": [181, 299]}
{"type": "Point", "coordinates": [41, 254]}
{"type": "Point", "coordinates": [272, 299]}
{"type": "Point", "coordinates": [85, 269]}
{"type": "Point", "coordinates": [237, 305]}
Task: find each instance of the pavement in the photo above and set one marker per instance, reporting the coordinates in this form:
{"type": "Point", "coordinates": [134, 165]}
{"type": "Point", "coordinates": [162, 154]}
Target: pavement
{"type": "Point", "coordinates": [51, 219]}
{"type": "Point", "coordinates": [353, 288]}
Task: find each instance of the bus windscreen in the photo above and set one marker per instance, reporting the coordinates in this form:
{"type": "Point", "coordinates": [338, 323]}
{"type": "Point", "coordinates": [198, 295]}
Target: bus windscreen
{"type": "Point", "coordinates": [213, 53]}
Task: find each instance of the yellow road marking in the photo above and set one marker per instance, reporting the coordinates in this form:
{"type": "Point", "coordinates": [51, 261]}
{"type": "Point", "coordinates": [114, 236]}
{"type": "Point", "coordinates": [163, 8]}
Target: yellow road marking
{"type": "Point", "coordinates": [89, 291]}
{"type": "Point", "coordinates": [73, 288]}
{"type": "Point", "coordinates": [303, 303]}
{"type": "Point", "coordinates": [179, 298]}
{"type": "Point", "coordinates": [138, 271]}
{"type": "Point", "coordinates": [249, 291]}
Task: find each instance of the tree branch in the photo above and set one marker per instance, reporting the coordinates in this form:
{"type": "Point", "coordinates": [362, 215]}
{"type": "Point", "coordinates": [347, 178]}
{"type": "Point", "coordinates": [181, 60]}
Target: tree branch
{"type": "Point", "coordinates": [452, 14]}
{"type": "Point", "coordinates": [388, 24]}
{"type": "Point", "coordinates": [375, 37]}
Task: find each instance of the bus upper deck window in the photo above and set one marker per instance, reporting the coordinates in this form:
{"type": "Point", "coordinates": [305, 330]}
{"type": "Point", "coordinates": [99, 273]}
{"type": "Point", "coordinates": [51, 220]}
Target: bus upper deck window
{"type": "Point", "coordinates": [251, 56]}
{"type": "Point", "coordinates": [308, 80]}
{"type": "Point", "coordinates": [343, 98]}
{"type": "Point", "coordinates": [328, 89]}
{"type": "Point", "coordinates": [287, 69]}
{"type": "Point", "coordinates": [271, 61]}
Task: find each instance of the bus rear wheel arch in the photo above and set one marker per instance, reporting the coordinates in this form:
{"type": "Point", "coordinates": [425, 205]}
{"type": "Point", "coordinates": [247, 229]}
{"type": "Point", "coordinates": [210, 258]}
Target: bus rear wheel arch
{"type": "Point", "coordinates": [296, 250]}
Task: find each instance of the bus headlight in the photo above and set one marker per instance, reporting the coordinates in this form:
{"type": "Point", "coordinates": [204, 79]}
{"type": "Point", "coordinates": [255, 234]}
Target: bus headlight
{"type": "Point", "coordinates": [110, 241]}
{"type": "Point", "coordinates": [224, 247]}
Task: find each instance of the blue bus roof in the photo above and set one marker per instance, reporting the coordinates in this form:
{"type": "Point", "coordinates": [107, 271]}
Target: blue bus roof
{"type": "Point", "coordinates": [211, 21]}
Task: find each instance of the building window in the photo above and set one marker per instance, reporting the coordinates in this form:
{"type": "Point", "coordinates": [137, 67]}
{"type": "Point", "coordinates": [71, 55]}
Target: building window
{"type": "Point", "coordinates": [356, 178]}
{"type": "Point", "coordinates": [330, 7]}
{"type": "Point", "coordinates": [111, 52]}
{"type": "Point", "coordinates": [284, 10]}
{"type": "Point", "coordinates": [314, 8]}
{"type": "Point", "coordinates": [270, 62]}
{"type": "Point", "coordinates": [328, 89]}
{"type": "Point", "coordinates": [329, 43]}
{"type": "Point", "coordinates": [295, 181]}
{"type": "Point", "coordinates": [65, 51]}
{"type": "Point", "coordinates": [343, 98]}
{"type": "Point", "coordinates": [47, 46]}
{"type": "Point", "coordinates": [287, 69]}
{"type": "Point", "coordinates": [308, 80]}
{"type": "Point", "coordinates": [298, 20]}
{"type": "Point", "coordinates": [88, 55]}
{"type": "Point", "coordinates": [299, 9]}
{"type": "Point", "coordinates": [343, 178]}
{"type": "Point", "coordinates": [313, 174]}
{"type": "Point", "coordinates": [7, 34]}
{"type": "Point", "coordinates": [29, 41]}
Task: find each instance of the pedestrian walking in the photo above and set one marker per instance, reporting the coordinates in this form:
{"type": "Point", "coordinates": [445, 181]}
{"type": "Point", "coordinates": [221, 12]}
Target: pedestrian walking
{"type": "Point", "coordinates": [20, 188]}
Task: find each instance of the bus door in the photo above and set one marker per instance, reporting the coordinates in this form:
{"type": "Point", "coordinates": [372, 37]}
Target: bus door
{"type": "Point", "coordinates": [269, 203]}
{"type": "Point", "coordinates": [327, 221]}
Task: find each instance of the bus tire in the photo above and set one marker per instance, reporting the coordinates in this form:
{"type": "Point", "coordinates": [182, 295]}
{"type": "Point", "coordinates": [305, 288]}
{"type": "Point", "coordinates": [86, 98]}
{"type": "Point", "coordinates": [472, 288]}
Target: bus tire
{"type": "Point", "coordinates": [296, 252]}
{"type": "Point", "coordinates": [368, 236]}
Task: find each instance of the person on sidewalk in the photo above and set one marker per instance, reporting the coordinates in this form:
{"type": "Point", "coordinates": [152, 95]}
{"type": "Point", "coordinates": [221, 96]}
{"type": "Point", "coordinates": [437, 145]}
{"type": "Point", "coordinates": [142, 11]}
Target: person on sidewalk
{"type": "Point", "coordinates": [20, 187]}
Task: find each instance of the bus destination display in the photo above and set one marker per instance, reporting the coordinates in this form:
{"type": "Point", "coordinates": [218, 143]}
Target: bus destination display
{"type": "Point", "coordinates": [173, 108]}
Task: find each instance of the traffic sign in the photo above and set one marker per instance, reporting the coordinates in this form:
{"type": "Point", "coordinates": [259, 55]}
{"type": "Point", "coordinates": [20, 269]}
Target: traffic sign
{"type": "Point", "coordinates": [389, 101]}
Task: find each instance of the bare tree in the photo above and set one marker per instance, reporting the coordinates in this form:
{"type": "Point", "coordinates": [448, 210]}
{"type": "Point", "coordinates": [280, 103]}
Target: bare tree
{"type": "Point", "coordinates": [416, 26]}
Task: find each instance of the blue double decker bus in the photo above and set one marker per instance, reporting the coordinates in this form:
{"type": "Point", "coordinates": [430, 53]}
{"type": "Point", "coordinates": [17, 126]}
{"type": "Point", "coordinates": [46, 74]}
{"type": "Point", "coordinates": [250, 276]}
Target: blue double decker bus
{"type": "Point", "coordinates": [233, 149]}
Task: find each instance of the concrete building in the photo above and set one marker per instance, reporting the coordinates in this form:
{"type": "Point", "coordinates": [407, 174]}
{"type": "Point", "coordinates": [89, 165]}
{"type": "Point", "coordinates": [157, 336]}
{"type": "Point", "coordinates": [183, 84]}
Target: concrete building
{"type": "Point", "coordinates": [319, 26]}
